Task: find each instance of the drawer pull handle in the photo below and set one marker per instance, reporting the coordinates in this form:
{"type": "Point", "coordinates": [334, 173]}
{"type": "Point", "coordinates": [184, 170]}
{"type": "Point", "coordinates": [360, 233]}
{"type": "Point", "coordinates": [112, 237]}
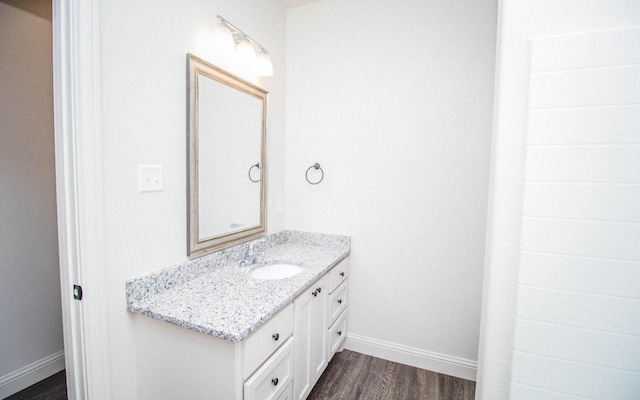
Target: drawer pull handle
{"type": "Point", "coordinates": [339, 301]}
{"type": "Point", "coordinates": [315, 293]}
{"type": "Point", "coordinates": [319, 290]}
{"type": "Point", "coordinates": [276, 336]}
{"type": "Point", "coordinates": [339, 333]}
{"type": "Point", "coordinates": [341, 273]}
{"type": "Point", "coordinates": [274, 381]}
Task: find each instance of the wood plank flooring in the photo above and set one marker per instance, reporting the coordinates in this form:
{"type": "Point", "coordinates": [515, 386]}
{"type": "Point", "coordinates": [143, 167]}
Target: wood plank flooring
{"type": "Point", "coordinates": [349, 376]}
{"type": "Point", "coordinates": [353, 376]}
{"type": "Point", "coordinates": [52, 388]}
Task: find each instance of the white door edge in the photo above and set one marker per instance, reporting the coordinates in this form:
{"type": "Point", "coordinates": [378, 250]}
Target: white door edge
{"type": "Point", "coordinates": [79, 196]}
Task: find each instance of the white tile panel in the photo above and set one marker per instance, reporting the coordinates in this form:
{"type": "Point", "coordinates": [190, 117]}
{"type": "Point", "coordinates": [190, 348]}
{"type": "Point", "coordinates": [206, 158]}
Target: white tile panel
{"type": "Point", "coordinates": [613, 164]}
{"type": "Point", "coordinates": [579, 379]}
{"type": "Point", "coordinates": [522, 392]}
{"type": "Point", "coordinates": [604, 349]}
{"type": "Point", "coordinates": [593, 381]}
{"type": "Point", "coordinates": [534, 337]}
{"type": "Point", "coordinates": [569, 343]}
{"type": "Point", "coordinates": [582, 88]}
{"type": "Point", "coordinates": [593, 125]}
{"type": "Point", "coordinates": [578, 304]}
{"type": "Point", "coordinates": [531, 370]}
{"type": "Point", "coordinates": [580, 310]}
{"type": "Point", "coordinates": [613, 202]}
{"type": "Point", "coordinates": [615, 47]}
{"type": "Point", "coordinates": [580, 274]}
{"type": "Point", "coordinates": [581, 238]}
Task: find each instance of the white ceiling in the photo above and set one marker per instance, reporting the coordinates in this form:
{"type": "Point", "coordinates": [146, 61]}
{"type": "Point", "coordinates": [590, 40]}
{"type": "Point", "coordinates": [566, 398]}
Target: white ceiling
{"type": "Point", "coordinates": [296, 3]}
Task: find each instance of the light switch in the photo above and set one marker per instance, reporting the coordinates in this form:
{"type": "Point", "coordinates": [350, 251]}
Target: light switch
{"type": "Point", "coordinates": [150, 178]}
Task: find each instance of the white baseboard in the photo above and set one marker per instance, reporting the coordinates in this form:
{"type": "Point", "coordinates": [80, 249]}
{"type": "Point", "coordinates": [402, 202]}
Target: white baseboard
{"type": "Point", "coordinates": [442, 363]}
{"type": "Point", "coordinates": [33, 373]}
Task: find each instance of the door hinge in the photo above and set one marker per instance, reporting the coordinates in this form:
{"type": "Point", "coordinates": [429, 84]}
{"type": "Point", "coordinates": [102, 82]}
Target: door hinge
{"type": "Point", "coordinates": [77, 292]}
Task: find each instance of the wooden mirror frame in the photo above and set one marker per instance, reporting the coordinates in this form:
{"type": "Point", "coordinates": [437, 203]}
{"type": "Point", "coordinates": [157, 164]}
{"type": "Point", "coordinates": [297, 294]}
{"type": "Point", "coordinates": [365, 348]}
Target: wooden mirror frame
{"type": "Point", "coordinates": [197, 245]}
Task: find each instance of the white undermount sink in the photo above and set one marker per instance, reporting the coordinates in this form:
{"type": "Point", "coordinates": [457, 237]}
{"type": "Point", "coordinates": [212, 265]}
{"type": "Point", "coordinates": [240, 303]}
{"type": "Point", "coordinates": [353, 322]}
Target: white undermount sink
{"type": "Point", "coordinates": [276, 271]}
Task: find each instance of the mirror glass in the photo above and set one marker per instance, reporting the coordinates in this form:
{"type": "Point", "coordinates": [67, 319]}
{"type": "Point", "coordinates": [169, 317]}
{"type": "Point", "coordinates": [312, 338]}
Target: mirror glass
{"type": "Point", "coordinates": [226, 158]}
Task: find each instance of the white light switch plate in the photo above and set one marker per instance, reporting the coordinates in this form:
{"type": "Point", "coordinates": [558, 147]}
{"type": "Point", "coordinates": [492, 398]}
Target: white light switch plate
{"type": "Point", "coordinates": [150, 178]}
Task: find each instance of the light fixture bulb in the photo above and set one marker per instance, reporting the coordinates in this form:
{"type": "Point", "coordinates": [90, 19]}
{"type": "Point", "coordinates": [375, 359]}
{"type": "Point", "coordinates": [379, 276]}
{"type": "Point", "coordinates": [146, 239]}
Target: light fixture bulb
{"type": "Point", "coordinates": [223, 40]}
{"type": "Point", "coordinates": [246, 54]}
{"type": "Point", "coordinates": [264, 66]}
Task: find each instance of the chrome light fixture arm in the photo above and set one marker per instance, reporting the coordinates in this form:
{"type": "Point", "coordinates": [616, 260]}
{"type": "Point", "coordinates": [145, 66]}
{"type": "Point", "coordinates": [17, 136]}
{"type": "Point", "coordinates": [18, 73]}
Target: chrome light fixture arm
{"type": "Point", "coordinates": [239, 35]}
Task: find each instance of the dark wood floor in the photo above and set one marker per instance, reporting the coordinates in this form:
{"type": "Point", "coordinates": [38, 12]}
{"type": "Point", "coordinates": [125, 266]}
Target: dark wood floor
{"type": "Point", "coordinates": [353, 376]}
{"type": "Point", "coordinates": [52, 388]}
{"type": "Point", "coordinates": [349, 376]}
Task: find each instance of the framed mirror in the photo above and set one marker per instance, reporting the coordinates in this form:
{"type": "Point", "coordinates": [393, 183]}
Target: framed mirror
{"type": "Point", "coordinates": [227, 154]}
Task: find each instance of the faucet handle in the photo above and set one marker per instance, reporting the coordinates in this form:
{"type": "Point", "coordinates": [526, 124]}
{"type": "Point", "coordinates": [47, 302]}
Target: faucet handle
{"type": "Point", "coordinates": [252, 245]}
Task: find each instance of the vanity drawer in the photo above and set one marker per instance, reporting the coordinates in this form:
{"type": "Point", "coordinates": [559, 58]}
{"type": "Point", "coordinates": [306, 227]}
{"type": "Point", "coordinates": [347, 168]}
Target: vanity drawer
{"type": "Point", "coordinates": [263, 342]}
{"type": "Point", "coordinates": [288, 393]}
{"type": "Point", "coordinates": [338, 274]}
{"type": "Point", "coordinates": [273, 378]}
{"type": "Point", "coordinates": [337, 302]}
{"type": "Point", "coordinates": [337, 334]}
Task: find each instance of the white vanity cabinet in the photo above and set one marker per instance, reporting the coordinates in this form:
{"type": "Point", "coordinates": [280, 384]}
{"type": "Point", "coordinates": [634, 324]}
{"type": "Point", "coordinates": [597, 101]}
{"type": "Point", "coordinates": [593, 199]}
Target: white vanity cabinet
{"type": "Point", "coordinates": [319, 314]}
{"type": "Point", "coordinates": [178, 363]}
{"type": "Point", "coordinates": [281, 360]}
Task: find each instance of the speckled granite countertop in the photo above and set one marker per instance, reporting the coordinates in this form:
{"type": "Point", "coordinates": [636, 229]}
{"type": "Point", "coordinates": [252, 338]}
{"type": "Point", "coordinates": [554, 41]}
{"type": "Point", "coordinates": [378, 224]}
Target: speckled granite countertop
{"type": "Point", "coordinates": [213, 295]}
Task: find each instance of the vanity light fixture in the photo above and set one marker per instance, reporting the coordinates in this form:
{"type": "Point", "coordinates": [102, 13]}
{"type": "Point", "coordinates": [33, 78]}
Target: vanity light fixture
{"type": "Point", "coordinates": [246, 53]}
{"type": "Point", "coordinates": [226, 36]}
{"type": "Point", "coordinates": [222, 39]}
{"type": "Point", "coordinates": [263, 63]}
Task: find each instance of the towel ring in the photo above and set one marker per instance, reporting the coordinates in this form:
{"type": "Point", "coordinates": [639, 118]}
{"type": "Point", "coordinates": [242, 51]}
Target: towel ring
{"type": "Point", "coordinates": [252, 167]}
{"type": "Point", "coordinates": [316, 166]}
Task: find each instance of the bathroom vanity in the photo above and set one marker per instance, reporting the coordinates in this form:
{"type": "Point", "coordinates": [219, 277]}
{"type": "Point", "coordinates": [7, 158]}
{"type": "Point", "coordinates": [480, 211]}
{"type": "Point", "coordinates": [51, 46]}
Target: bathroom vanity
{"type": "Point", "coordinates": [233, 336]}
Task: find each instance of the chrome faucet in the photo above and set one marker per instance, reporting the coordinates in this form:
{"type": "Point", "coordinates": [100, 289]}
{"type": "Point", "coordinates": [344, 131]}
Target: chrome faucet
{"type": "Point", "coordinates": [252, 256]}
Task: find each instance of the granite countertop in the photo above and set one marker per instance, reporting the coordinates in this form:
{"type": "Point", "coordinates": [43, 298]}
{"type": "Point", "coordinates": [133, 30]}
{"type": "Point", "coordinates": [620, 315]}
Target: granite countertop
{"type": "Point", "coordinates": [215, 296]}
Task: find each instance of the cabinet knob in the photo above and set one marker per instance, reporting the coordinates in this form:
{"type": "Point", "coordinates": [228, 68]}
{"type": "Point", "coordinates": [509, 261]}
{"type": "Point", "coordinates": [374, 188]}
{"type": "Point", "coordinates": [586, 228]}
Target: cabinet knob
{"type": "Point", "coordinates": [341, 273]}
{"type": "Point", "coordinates": [339, 301]}
{"type": "Point", "coordinates": [274, 381]}
{"type": "Point", "coordinates": [315, 293]}
{"type": "Point", "coordinates": [319, 290]}
{"type": "Point", "coordinates": [276, 336]}
{"type": "Point", "coordinates": [339, 333]}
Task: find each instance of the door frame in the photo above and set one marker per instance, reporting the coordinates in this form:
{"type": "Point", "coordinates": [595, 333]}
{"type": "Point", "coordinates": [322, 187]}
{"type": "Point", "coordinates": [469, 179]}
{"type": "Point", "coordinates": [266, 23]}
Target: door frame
{"type": "Point", "coordinates": [78, 154]}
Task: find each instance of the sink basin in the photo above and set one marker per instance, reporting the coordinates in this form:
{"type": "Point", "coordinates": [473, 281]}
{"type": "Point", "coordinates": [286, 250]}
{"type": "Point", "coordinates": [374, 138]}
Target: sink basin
{"type": "Point", "coordinates": [276, 271]}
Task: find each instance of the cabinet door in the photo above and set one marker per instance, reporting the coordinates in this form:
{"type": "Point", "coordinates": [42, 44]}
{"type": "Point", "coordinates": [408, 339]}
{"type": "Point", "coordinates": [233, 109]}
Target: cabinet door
{"type": "Point", "coordinates": [310, 333]}
{"type": "Point", "coordinates": [319, 324]}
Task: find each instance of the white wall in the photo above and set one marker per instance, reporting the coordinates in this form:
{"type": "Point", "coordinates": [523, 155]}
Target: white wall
{"type": "Point", "coordinates": [143, 121]}
{"type": "Point", "coordinates": [393, 99]}
{"type": "Point", "coordinates": [518, 22]}
{"type": "Point", "coordinates": [31, 327]}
